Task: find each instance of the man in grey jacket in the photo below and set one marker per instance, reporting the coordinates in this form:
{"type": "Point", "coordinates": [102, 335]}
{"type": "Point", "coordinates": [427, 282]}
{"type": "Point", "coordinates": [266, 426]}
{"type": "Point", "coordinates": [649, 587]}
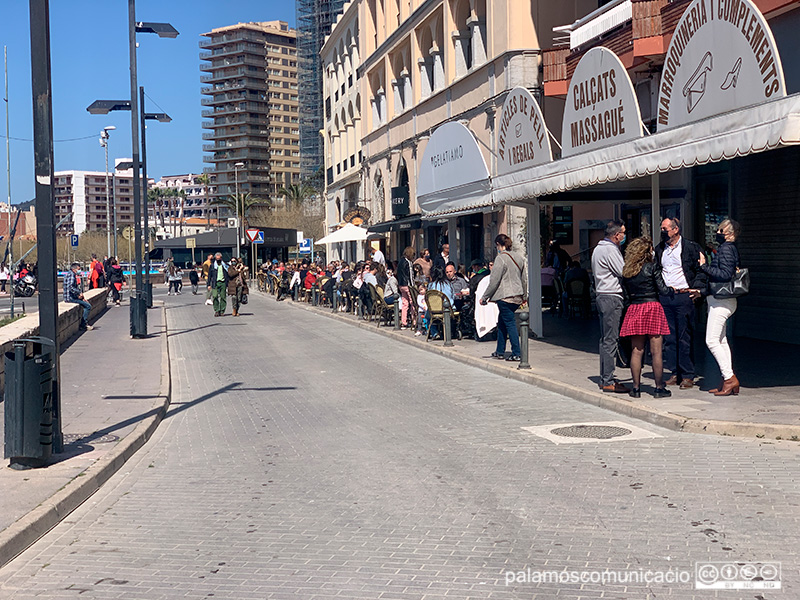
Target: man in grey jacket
{"type": "Point", "coordinates": [607, 263]}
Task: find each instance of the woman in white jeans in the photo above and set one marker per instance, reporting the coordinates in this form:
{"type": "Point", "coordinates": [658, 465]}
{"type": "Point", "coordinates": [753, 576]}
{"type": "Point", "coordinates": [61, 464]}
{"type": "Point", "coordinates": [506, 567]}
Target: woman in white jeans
{"type": "Point", "coordinates": [721, 269]}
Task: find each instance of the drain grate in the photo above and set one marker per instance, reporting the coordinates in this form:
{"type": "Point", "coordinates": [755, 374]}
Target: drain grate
{"type": "Point", "coordinates": [595, 432]}
{"type": "Point", "coordinates": [89, 438]}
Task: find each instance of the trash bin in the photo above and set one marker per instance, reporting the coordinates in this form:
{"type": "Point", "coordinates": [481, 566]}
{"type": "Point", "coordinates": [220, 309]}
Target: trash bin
{"type": "Point", "coordinates": [28, 406]}
{"type": "Point", "coordinates": [138, 315]}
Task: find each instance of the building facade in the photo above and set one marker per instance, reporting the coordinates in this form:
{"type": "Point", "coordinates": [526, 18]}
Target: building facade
{"type": "Point", "coordinates": [252, 112]}
{"type": "Point", "coordinates": [424, 64]}
{"type": "Point", "coordinates": [197, 196]}
{"type": "Point", "coordinates": [342, 131]}
{"type": "Point", "coordinates": [314, 21]}
{"type": "Point", "coordinates": [82, 196]}
{"type": "Point", "coordinates": [752, 181]}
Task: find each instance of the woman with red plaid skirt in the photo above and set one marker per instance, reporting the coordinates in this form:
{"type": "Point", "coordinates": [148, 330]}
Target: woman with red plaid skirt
{"type": "Point", "coordinates": [645, 318]}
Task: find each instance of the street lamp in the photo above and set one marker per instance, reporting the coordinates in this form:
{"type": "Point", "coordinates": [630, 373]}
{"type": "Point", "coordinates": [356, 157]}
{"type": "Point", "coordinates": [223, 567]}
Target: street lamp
{"type": "Point", "coordinates": [103, 107]}
{"type": "Point", "coordinates": [110, 220]}
{"type": "Point", "coordinates": [139, 304]}
{"type": "Point", "coordinates": [239, 225]}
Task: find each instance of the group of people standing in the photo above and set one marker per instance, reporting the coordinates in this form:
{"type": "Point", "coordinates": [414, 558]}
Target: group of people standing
{"type": "Point", "coordinates": [224, 279]}
{"type": "Point", "coordinates": [106, 274]}
{"type": "Point", "coordinates": [662, 285]}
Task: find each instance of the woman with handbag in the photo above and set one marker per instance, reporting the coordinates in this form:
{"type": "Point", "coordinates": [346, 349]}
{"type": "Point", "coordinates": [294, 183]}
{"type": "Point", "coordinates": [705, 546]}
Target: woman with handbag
{"type": "Point", "coordinates": [237, 284]}
{"type": "Point", "coordinates": [721, 270]}
{"type": "Point", "coordinates": [508, 289]}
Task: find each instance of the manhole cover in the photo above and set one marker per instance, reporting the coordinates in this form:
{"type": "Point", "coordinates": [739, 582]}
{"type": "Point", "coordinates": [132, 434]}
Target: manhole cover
{"type": "Point", "coordinates": [595, 432]}
{"type": "Point", "coordinates": [89, 438]}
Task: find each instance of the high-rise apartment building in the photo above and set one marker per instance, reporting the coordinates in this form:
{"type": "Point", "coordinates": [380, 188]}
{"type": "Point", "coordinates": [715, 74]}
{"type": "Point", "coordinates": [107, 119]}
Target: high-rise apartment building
{"type": "Point", "coordinates": [314, 21]}
{"type": "Point", "coordinates": [252, 107]}
{"type": "Point", "coordinates": [83, 194]}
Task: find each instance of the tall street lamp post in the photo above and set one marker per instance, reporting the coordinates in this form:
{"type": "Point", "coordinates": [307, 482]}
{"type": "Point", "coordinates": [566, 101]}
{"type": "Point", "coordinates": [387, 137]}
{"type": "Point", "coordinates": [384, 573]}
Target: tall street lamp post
{"type": "Point", "coordinates": [111, 218]}
{"type": "Point", "coordinates": [139, 304]}
{"type": "Point", "coordinates": [103, 107]}
{"type": "Point", "coordinates": [239, 225]}
{"type": "Point", "coordinates": [45, 201]}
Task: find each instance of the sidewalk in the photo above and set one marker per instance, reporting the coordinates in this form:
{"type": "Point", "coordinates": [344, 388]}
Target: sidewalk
{"type": "Point", "coordinates": [566, 361]}
{"type": "Point", "coordinates": [114, 391]}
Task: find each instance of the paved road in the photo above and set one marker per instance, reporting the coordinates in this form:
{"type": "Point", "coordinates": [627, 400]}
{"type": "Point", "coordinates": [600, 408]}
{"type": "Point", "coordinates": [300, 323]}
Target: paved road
{"type": "Point", "coordinates": [30, 305]}
{"type": "Point", "coordinates": [304, 458]}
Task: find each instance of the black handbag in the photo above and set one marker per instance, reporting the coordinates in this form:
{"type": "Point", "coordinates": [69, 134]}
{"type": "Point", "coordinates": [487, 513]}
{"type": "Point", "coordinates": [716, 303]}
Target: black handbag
{"type": "Point", "coordinates": [244, 299]}
{"type": "Point", "coordinates": [739, 285]}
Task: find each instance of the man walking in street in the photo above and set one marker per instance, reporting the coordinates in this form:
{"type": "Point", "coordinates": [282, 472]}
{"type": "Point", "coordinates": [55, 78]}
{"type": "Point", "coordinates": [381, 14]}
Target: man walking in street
{"type": "Point", "coordinates": [679, 260]}
{"type": "Point", "coordinates": [607, 263]}
{"type": "Point", "coordinates": [72, 293]}
{"type": "Point", "coordinates": [218, 284]}
{"type": "Point", "coordinates": [206, 267]}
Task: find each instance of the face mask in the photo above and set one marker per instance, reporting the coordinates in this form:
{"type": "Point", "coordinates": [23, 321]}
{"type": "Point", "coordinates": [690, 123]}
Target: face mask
{"type": "Point", "coordinates": [720, 237]}
{"type": "Point", "coordinates": [624, 237]}
{"type": "Point", "coordinates": [664, 236]}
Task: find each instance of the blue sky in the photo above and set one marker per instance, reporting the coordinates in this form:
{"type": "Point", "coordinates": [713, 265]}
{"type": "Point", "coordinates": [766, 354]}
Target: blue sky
{"type": "Point", "coordinates": [89, 56]}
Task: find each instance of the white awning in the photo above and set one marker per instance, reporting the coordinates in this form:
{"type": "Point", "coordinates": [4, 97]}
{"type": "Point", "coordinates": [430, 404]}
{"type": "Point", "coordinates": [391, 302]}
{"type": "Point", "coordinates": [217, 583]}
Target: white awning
{"type": "Point", "coordinates": [452, 174]}
{"type": "Point", "coordinates": [348, 233]}
{"type": "Point", "coordinates": [738, 133]}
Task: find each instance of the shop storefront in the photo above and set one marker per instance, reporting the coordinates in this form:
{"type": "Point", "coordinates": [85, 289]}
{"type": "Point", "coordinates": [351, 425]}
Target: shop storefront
{"type": "Point", "coordinates": [725, 144]}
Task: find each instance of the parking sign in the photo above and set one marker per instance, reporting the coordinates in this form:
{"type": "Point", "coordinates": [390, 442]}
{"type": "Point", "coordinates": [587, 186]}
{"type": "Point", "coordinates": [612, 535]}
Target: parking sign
{"type": "Point", "coordinates": [73, 240]}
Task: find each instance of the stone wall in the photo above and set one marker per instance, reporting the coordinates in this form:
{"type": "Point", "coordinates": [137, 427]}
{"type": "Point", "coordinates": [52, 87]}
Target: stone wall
{"type": "Point", "coordinates": [69, 319]}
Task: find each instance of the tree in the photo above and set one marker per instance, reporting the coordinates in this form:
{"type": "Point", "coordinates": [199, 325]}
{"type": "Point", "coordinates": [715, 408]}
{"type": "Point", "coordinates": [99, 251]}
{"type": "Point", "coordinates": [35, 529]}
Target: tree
{"type": "Point", "coordinates": [297, 193]}
{"type": "Point", "coordinates": [156, 197]}
{"type": "Point", "coordinates": [238, 205]}
{"type": "Point", "coordinates": [205, 181]}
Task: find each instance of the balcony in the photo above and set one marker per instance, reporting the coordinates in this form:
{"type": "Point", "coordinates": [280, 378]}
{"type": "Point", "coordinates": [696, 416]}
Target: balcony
{"type": "Point", "coordinates": [248, 143]}
{"type": "Point", "coordinates": [229, 38]}
{"type": "Point", "coordinates": [223, 76]}
{"type": "Point", "coordinates": [234, 61]}
{"type": "Point", "coordinates": [595, 24]}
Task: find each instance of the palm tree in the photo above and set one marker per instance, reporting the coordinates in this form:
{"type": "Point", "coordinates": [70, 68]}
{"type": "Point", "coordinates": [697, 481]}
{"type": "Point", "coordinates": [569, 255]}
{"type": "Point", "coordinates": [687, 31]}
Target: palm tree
{"type": "Point", "coordinates": [180, 200]}
{"type": "Point", "coordinates": [297, 192]}
{"type": "Point", "coordinates": [238, 205]}
{"type": "Point", "coordinates": [156, 197]}
{"type": "Point", "coordinates": [205, 181]}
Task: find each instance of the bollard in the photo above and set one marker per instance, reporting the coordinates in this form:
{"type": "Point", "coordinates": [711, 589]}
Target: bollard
{"type": "Point", "coordinates": [524, 328]}
{"type": "Point", "coordinates": [397, 313]}
{"type": "Point", "coordinates": [314, 296]}
{"type": "Point", "coordinates": [448, 338]}
{"type": "Point", "coordinates": [296, 292]}
{"type": "Point", "coordinates": [335, 300]}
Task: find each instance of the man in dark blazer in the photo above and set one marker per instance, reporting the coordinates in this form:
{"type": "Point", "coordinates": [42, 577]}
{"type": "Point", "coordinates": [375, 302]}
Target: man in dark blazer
{"type": "Point", "coordinates": [679, 260]}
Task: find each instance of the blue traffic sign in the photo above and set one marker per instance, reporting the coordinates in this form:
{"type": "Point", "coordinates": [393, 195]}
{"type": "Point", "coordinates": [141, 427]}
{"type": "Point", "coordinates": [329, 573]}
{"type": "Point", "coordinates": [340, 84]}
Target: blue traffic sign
{"type": "Point", "coordinates": [73, 240]}
{"type": "Point", "coordinates": [305, 246]}
{"type": "Point", "coordinates": [259, 238]}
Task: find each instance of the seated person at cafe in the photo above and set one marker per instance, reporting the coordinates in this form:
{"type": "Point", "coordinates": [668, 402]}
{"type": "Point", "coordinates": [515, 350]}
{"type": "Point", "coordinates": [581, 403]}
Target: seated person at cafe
{"type": "Point", "coordinates": [549, 293]}
{"type": "Point", "coordinates": [368, 276]}
{"type": "Point", "coordinates": [459, 285]}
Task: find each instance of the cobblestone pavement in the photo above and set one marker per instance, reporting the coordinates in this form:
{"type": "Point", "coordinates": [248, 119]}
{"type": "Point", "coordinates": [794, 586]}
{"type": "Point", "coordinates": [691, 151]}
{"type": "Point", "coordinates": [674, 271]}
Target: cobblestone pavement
{"type": "Point", "coordinates": [305, 458]}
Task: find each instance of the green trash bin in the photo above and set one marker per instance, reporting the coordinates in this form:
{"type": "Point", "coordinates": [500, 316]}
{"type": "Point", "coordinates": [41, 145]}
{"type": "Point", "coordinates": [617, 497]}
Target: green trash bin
{"type": "Point", "coordinates": [28, 406]}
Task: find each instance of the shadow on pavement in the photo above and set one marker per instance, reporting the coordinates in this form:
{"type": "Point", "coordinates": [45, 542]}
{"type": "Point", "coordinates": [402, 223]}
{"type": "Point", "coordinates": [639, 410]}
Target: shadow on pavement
{"type": "Point", "coordinates": [758, 363]}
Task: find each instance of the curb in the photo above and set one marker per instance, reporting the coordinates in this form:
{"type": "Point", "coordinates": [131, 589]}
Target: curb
{"type": "Point", "coordinates": [624, 407]}
{"type": "Point", "coordinates": [23, 533]}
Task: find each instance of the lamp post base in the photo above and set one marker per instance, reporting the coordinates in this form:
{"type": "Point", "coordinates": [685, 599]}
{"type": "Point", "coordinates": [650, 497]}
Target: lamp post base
{"type": "Point", "coordinates": [138, 315]}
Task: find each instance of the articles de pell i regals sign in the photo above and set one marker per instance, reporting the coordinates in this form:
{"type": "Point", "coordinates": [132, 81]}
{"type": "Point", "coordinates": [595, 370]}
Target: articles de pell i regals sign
{"type": "Point", "coordinates": [522, 140]}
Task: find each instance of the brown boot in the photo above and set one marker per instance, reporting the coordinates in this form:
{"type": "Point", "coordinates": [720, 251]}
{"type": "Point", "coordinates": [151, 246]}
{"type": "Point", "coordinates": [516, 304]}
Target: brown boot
{"type": "Point", "coordinates": [672, 380]}
{"type": "Point", "coordinates": [718, 388]}
{"type": "Point", "coordinates": [729, 386]}
{"type": "Point", "coordinates": [235, 313]}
